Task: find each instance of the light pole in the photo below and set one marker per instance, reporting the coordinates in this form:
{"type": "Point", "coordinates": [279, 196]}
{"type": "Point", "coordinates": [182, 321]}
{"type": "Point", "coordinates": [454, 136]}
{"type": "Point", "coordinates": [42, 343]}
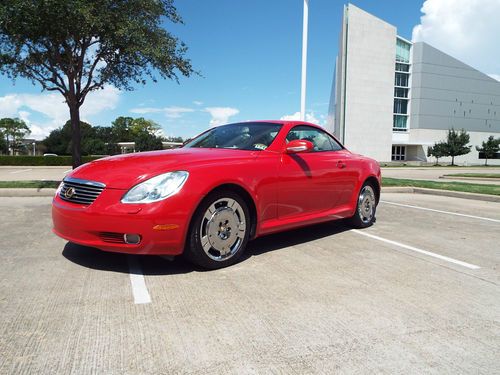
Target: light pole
{"type": "Point", "coordinates": [34, 149]}
{"type": "Point", "coordinates": [304, 62]}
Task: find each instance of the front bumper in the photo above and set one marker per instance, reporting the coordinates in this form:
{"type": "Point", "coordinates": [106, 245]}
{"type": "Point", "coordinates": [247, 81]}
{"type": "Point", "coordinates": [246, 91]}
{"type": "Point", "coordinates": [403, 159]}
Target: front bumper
{"type": "Point", "coordinates": [162, 225]}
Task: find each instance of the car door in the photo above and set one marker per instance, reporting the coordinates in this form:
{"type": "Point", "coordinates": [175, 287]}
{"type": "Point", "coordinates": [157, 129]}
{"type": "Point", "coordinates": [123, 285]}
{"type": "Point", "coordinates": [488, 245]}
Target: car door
{"type": "Point", "coordinates": [317, 181]}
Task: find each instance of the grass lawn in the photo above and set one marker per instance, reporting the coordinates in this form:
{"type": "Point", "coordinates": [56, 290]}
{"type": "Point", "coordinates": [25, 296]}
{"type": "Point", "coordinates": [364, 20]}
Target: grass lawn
{"type": "Point", "coordinates": [455, 186]}
{"type": "Point", "coordinates": [475, 175]}
{"type": "Point", "coordinates": [29, 184]}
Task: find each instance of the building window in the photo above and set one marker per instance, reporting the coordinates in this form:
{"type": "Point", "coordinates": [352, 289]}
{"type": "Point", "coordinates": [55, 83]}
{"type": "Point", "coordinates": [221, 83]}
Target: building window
{"type": "Point", "coordinates": [399, 123]}
{"type": "Point", "coordinates": [402, 51]}
{"type": "Point", "coordinates": [400, 92]}
{"type": "Point", "coordinates": [401, 106]}
{"type": "Point", "coordinates": [402, 67]}
{"type": "Point", "coordinates": [401, 79]}
{"type": "Point", "coordinates": [398, 153]}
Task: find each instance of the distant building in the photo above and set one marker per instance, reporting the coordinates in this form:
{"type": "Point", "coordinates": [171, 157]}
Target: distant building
{"type": "Point", "coordinates": [392, 99]}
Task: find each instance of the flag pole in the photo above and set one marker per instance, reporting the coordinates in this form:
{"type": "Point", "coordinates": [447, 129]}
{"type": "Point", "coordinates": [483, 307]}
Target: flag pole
{"type": "Point", "coordinates": [304, 62]}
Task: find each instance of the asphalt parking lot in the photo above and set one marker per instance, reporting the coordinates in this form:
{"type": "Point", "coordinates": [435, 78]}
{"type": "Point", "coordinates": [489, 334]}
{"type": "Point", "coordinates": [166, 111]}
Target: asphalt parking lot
{"type": "Point", "coordinates": [416, 293]}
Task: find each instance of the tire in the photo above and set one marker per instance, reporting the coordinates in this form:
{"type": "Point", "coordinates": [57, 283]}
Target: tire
{"type": "Point", "coordinates": [219, 230]}
{"type": "Point", "coordinates": [366, 207]}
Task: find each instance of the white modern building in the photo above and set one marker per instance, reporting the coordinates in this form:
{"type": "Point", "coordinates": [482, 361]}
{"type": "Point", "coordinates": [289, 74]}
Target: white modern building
{"type": "Point", "coordinates": [392, 99]}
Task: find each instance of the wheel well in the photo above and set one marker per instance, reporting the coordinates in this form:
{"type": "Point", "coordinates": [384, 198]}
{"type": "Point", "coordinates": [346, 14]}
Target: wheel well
{"type": "Point", "coordinates": [376, 186]}
{"type": "Point", "coordinates": [248, 200]}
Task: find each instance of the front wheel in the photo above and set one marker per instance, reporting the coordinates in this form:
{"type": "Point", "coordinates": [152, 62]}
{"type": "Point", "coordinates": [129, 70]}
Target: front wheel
{"type": "Point", "coordinates": [365, 208]}
{"type": "Point", "coordinates": [219, 231]}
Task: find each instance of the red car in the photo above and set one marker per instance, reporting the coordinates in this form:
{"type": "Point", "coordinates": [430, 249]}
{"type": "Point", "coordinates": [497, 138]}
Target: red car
{"type": "Point", "coordinates": [223, 188]}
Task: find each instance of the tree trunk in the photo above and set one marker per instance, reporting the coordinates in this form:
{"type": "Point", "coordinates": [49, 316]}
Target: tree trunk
{"type": "Point", "coordinates": [76, 149]}
{"type": "Point", "coordinates": [452, 160]}
{"type": "Point", "coordinates": [485, 161]}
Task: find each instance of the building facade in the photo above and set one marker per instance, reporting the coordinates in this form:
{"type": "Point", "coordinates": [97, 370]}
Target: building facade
{"type": "Point", "coordinates": [392, 99]}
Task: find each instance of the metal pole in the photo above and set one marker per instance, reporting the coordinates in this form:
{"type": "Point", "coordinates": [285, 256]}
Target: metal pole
{"type": "Point", "coordinates": [304, 62]}
{"type": "Point", "coordinates": [34, 150]}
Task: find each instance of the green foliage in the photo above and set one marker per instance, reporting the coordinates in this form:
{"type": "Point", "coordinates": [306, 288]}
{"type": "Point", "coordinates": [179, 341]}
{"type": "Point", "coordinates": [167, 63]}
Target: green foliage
{"type": "Point", "coordinates": [40, 160]}
{"type": "Point", "coordinates": [456, 144]}
{"type": "Point", "coordinates": [59, 140]}
{"type": "Point", "coordinates": [438, 151]}
{"type": "Point", "coordinates": [103, 140]}
{"type": "Point", "coordinates": [489, 147]}
{"type": "Point", "coordinates": [75, 47]}
{"type": "Point", "coordinates": [29, 184]}
{"type": "Point", "coordinates": [3, 144]}
{"type": "Point", "coordinates": [13, 131]}
{"type": "Point", "coordinates": [145, 141]}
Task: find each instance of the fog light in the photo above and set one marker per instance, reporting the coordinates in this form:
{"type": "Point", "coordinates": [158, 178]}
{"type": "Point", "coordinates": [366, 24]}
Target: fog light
{"type": "Point", "coordinates": [132, 239]}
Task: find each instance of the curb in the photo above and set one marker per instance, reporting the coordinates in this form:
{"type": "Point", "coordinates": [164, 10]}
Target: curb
{"type": "Point", "coordinates": [443, 193]}
{"type": "Point", "coordinates": [478, 179]}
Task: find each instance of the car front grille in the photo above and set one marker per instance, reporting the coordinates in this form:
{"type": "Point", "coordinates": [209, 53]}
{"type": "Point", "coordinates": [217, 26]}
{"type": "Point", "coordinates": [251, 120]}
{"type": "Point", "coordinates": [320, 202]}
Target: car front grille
{"type": "Point", "coordinates": [80, 191]}
{"type": "Point", "coordinates": [112, 237]}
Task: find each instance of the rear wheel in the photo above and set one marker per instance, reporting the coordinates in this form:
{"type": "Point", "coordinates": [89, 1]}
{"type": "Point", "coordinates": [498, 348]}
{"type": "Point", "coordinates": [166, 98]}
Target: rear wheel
{"type": "Point", "coordinates": [365, 208]}
{"type": "Point", "coordinates": [219, 231]}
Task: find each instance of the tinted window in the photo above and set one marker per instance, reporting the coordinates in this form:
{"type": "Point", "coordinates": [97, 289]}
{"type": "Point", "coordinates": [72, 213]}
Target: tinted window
{"type": "Point", "coordinates": [241, 136]}
{"type": "Point", "coordinates": [321, 140]}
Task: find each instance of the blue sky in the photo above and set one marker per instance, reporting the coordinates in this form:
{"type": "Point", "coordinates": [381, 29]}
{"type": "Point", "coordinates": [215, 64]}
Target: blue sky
{"type": "Point", "coordinates": [249, 55]}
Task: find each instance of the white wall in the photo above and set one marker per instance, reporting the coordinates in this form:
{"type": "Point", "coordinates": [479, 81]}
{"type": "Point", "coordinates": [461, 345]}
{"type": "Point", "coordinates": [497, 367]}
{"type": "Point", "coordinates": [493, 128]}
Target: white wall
{"type": "Point", "coordinates": [428, 136]}
{"type": "Point", "coordinates": [371, 49]}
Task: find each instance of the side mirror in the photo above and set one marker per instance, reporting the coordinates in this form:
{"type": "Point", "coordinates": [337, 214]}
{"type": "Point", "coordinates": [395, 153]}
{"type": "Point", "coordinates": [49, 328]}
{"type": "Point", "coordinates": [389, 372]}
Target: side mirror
{"type": "Point", "coordinates": [299, 145]}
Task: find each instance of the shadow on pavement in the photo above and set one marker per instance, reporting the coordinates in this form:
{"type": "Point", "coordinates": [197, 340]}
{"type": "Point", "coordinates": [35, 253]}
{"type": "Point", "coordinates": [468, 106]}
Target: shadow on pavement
{"type": "Point", "coordinates": [286, 239]}
{"type": "Point", "coordinates": [152, 265]}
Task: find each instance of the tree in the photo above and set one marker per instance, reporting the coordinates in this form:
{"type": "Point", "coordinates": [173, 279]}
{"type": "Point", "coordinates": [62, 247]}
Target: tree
{"type": "Point", "coordinates": [3, 145]}
{"type": "Point", "coordinates": [489, 148]}
{"type": "Point", "coordinates": [456, 144]}
{"type": "Point", "coordinates": [59, 141]}
{"type": "Point", "coordinates": [75, 47]}
{"type": "Point", "coordinates": [14, 130]}
{"type": "Point", "coordinates": [140, 125]}
{"type": "Point", "coordinates": [438, 151]}
{"type": "Point", "coordinates": [148, 142]}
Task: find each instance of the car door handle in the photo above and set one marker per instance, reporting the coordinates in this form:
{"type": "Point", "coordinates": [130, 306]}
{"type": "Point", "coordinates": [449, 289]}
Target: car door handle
{"type": "Point", "coordinates": [341, 164]}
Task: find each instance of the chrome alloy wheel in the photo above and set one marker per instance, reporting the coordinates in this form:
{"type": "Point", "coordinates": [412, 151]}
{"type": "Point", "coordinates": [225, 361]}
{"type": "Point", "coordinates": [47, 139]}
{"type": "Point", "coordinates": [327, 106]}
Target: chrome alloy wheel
{"type": "Point", "coordinates": [366, 204]}
{"type": "Point", "coordinates": [223, 229]}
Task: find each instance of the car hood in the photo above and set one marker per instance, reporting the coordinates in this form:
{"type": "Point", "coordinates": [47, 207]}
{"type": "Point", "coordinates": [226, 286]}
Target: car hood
{"type": "Point", "coordinates": [125, 171]}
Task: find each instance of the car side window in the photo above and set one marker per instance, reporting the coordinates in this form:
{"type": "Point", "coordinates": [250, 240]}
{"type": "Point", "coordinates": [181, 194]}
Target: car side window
{"type": "Point", "coordinates": [321, 140]}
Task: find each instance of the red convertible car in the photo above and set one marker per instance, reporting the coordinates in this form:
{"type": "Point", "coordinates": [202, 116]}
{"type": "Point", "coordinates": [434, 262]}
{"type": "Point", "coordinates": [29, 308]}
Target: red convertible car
{"type": "Point", "coordinates": [223, 188]}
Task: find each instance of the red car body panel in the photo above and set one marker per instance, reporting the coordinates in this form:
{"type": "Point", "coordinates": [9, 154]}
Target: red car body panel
{"type": "Point", "coordinates": [287, 191]}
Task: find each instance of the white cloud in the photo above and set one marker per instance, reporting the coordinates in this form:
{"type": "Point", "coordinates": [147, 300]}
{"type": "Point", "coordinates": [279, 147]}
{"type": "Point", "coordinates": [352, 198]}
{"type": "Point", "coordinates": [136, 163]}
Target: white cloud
{"type": "Point", "coordinates": [310, 117]}
{"type": "Point", "coordinates": [170, 112]}
{"type": "Point", "coordinates": [54, 109]}
{"type": "Point", "coordinates": [100, 101]}
{"type": "Point", "coordinates": [465, 29]}
{"type": "Point", "coordinates": [221, 115]}
{"type": "Point", "coordinates": [197, 102]}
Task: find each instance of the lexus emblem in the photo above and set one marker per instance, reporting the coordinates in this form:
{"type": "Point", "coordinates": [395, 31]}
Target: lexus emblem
{"type": "Point", "coordinates": [69, 192]}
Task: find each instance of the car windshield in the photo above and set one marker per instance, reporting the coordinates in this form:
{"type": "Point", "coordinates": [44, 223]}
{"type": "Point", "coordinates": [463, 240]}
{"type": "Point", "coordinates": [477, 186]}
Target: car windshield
{"type": "Point", "coordinates": [241, 136]}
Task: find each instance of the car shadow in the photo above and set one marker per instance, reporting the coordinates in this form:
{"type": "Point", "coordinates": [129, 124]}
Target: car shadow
{"type": "Point", "coordinates": [153, 265]}
{"type": "Point", "coordinates": [294, 237]}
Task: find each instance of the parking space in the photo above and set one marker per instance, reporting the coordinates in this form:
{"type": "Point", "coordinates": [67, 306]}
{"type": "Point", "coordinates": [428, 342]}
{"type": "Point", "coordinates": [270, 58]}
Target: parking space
{"type": "Point", "coordinates": [417, 292]}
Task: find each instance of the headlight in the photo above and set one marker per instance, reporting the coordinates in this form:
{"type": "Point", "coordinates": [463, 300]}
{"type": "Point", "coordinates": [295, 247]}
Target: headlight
{"type": "Point", "coordinates": [59, 188]}
{"type": "Point", "coordinates": [157, 188]}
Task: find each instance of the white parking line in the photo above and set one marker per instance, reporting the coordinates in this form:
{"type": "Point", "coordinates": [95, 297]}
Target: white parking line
{"type": "Point", "coordinates": [139, 289]}
{"type": "Point", "coordinates": [21, 171]}
{"type": "Point", "coordinates": [425, 252]}
{"type": "Point", "coordinates": [442, 212]}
